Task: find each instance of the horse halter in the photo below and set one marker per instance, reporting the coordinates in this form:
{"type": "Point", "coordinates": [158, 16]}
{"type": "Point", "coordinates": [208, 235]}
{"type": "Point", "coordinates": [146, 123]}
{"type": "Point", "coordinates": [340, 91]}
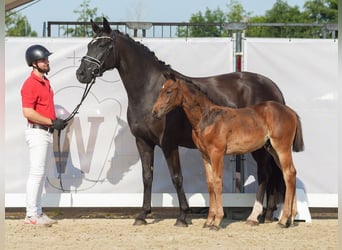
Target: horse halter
{"type": "Point", "coordinates": [98, 71]}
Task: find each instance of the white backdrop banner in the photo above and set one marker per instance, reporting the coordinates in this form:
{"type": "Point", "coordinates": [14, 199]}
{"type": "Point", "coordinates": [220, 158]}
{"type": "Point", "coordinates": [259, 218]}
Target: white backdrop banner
{"type": "Point", "coordinates": [100, 163]}
{"type": "Point", "coordinates": [306, 72]}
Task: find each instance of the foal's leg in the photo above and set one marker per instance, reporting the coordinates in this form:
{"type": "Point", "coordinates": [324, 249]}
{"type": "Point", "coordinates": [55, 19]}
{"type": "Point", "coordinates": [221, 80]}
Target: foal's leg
{"type": "Point", "coordinates": [209, 179]}
{"type": "Point", "coordinates": [217, 167]}
{"type": "Point", "coordinates": [289, 173]}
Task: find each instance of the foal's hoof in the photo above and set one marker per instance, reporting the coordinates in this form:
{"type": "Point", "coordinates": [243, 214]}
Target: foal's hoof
{"type": "Point", "coordinates": [205, 225]}
{"type": "Point", "coordinates": [215, 228]}
{"type": "Point", "coordinates": [252, 223]}
{"type": "Point", "coordinates": [181, 223]}
{"type": "Point", "coordinates": [281, 225]}
{"type": "Point", "coordinates": [139, 222]}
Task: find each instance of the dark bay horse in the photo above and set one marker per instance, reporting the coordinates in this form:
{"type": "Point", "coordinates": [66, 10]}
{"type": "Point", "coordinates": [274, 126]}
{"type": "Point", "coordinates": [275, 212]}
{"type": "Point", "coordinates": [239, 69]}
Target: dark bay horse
{"type": "Point", "coordinates": [218, 130]}
{"type": "Point", "coordinates": [143, 75]}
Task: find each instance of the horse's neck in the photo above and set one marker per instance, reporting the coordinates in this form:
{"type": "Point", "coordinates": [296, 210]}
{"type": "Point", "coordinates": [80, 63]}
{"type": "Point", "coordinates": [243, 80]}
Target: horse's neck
{"type": "Point", "coordinates": [137, 68]}
{"type": "Point", "coordinates": [194, 105]}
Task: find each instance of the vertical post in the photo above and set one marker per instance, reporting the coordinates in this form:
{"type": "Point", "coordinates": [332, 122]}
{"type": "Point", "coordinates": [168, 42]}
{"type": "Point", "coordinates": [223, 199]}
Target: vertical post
{"type": "Point", "coordinates": [49, 29]}
{"type": "Point", "coordinates": [2, 124]}
{"type": "Point", "coordinates": [240, 168]}
{"type": "Point", "coordinates": [44, 29]}
{"type": "Point", "coordinates": [238, 29]}
{"type": "Point", "coordinates": [238, 51]}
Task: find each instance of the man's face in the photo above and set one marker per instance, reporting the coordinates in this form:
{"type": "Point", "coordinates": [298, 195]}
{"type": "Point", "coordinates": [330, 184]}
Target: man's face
{"type": "Point", "coordinates": [43, 65]}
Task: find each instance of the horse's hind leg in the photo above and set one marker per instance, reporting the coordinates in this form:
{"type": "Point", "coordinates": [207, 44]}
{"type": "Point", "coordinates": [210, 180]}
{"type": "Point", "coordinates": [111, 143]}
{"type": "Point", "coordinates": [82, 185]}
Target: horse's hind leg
{"type": "Point", "coordinates": [261, 157]}
{"type": "Point", "coordinates": [172, 159]}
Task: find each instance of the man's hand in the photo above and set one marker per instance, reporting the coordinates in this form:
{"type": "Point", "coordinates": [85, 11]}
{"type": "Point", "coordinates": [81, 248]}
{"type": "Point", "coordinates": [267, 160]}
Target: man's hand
{"type": "Point", "coordinates": [59, 124]}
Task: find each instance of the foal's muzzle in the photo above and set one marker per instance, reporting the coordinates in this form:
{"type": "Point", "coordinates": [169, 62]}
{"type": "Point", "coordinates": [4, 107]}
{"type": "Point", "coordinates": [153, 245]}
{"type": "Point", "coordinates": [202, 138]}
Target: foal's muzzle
{"type": "Point", "coordinates": [155, 115]}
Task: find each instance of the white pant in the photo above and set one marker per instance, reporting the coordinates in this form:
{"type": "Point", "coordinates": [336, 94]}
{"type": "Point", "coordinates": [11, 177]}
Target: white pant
{"type": "Point", "coordinates": [39, 142]}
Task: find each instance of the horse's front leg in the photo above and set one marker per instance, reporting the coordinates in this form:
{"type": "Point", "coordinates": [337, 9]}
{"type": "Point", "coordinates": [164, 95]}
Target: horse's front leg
{"type": "Point", "coordinates": [146, 152]}
{"type": "Point", "coordinates": [173, 162]}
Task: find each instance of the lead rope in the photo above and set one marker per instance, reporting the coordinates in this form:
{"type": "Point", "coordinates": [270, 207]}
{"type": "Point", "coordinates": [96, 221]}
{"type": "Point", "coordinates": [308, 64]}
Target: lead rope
{"type": "Point", "coordinates": [73, 113]}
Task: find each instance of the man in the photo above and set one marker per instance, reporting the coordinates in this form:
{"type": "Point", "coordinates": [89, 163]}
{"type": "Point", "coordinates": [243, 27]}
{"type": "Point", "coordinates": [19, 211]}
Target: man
{"type": "Point", "coordinates": [38, 108]}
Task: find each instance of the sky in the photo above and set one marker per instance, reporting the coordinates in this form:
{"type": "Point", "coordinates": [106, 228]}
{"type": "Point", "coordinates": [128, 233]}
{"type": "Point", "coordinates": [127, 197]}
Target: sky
{"type": "Point", "coordinates": [135, 10]}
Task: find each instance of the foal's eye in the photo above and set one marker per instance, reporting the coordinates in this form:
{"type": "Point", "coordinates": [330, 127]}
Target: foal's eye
{"type": "Point", "coordinates": [168, 92]}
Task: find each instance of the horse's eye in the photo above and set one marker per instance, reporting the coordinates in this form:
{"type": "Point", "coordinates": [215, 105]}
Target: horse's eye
{"type": "Point", "coordinates": [168, 92]}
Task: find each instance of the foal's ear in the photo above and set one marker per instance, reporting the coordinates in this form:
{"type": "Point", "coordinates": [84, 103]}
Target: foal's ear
{"type": "Point", "coordinates": [169, 75]}
{"type": "Point", "coordinates": [106, 26]}
{"type": "Point", "coordinates": [95, 27]}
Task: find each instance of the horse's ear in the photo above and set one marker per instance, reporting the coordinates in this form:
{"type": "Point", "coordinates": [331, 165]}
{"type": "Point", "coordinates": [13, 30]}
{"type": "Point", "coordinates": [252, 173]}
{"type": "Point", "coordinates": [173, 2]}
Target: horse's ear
{"type": "Point", "coordinates": [106, 26]}
{"type": "Point", "coordinates": [95, 27]}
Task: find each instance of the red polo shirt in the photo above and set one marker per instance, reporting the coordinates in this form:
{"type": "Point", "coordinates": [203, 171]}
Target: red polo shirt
{"type": "Point", "coordinates": [37, 93]}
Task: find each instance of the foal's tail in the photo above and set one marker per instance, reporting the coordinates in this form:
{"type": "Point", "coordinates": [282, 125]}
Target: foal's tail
{"type": "Point", "coordinates": [298, 142]}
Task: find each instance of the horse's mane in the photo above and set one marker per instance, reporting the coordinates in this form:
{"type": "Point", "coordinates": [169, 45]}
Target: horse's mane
{"type": "Point", "coordinates": [218, 98]}
{"type": "Point", "coordinates": [198, 88]}
{"type": "Point", "coordinates": [143, 47]}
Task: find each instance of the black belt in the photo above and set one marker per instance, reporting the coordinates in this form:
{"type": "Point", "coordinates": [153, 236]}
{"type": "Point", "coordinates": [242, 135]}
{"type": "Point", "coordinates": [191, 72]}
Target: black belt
{"type": "Point", "coordinates": [35, 125]}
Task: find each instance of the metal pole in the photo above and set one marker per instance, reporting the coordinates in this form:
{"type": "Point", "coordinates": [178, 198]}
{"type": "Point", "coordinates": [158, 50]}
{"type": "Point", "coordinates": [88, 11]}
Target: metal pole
{"type": "Point", "coordinates": [240, 173]}
{"type": "Point", "coordinates": [2, 123]}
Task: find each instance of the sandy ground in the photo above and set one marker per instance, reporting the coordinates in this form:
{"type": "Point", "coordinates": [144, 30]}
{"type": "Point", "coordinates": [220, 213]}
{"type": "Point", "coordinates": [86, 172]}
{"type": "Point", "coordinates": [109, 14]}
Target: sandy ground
{"type": "Point", "coordinates": [107, 231]}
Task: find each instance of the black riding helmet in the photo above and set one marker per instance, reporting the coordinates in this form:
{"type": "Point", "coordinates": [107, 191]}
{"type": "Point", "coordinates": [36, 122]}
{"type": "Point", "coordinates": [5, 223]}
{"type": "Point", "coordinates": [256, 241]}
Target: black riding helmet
{"type": "Point", "coordinates": [36, 52]}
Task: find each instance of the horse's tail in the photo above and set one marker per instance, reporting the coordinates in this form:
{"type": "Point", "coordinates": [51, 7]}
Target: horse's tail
{"type": "Point", "coordinates": [298, 142]}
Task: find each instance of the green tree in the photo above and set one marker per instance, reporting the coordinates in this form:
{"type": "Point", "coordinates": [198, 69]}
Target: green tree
{"type": "Point", "coordinates": [17, 25]}
{"type": "Point", "coordinates": [321, 11]}
{"type": "Point", "coordinates": [85, 14]}
{"type": "Point", "coordinates": [210, 22]}
{"type": "Point", "coordinates": [314, 11]}
{"type": "Point", "coordinates": [236, 12]}
{"type": "Point", "coordinates": [206, 25]}
{"type": "Point", "coordinates": [281, 12]}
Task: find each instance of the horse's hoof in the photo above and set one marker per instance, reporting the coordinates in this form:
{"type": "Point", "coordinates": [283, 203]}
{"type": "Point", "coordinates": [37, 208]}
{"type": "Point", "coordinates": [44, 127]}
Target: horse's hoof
{"type": "Point", "coordinates": [268, 221]}
{"type": "Point", "coordinates": [252, 223]}
{"type": "Point", "coordinates": [181, 223]}
{"type": "Point", "coordinates": [139, 222]}
{"type": "Point", "coordinates": [215, 228]}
